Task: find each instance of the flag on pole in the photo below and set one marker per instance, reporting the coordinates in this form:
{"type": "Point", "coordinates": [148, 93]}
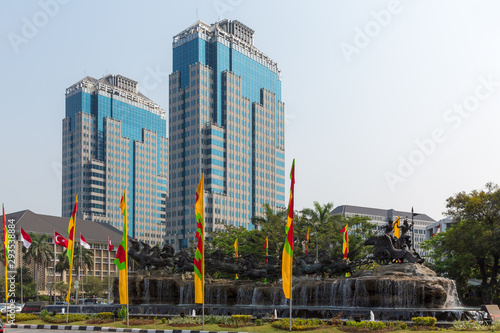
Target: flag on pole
{"type": "Point", "coordinates": [5, 252]}
{"type": "Point", "coordinates": [266, 252]}
{"type": "Point", "coordinates": [25, 237]}
{"type": "Point", "coordinates": [236, 254]}
{"type": "Point", "coordinates": [121, 260]}
{"type": "Point", "coordinates": [396, 226]}
{"type": "Point", "coordinates": [287, 259]}
{"type": "Point", "coordinates": [84, 243]}
{"type": "Point", "coordinates": [60, 240]}
{"type": "Point", "coordinates": [71, 245]}
{"type": "Point", "coordinates": [345, 244]}
{"type": "Point", "coordinates": [110, 245]}
{"type": "Point", "coordinates": [438, 230]}
{"type": "Point", "coordinates": [307, 241]}
{"type": "Point", "coordinates": [199, 256]}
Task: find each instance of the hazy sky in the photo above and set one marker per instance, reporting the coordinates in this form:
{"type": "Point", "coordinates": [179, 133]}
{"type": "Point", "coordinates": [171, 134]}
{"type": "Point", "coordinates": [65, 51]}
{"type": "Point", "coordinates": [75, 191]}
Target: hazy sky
{"type": "Point", "coordinates": [389, 104]}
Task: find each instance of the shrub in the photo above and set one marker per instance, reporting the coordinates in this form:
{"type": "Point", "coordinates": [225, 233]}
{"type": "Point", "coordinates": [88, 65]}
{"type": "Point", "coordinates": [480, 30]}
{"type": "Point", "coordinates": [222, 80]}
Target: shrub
{"type": "Point", "coordinates": [105, 316]}
{"type": "Point", "coordinates": [163, 320]}
{"type": "Point", "coordinates": [25, 316]}
{"type": "Point", "coordinates": [185, 320]}
{"type": "Point", "coordinates": [217, 320]}
{"type": "Point", "coordinates": [44, 313]}
{"type": "Point", "coordinates": [470, 326]}
{"type": "Point", "coordinates": [298, 324]}
{"type": "Point", "coordinates": [241, 319]}
{"type": "Point", "coordinates": [424, 321]}
{"type": "Point", "coordinates": [403, 326]}
{"type": "Point", "coordinates": [258, 322]}
{"type": "Point", "coordinates": [61, 318]}
{"type": "Point", "coordinates": [122, 313]}
{"type": "Point", "coordinates": [371, 325]}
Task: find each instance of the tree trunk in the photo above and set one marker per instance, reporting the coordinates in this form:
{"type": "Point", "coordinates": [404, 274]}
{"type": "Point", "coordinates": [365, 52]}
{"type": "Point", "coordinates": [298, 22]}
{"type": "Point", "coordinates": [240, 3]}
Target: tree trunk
{"type": "Point", "coordinates": [36, 269]}
{"type": "Point", "coordinates": [484, 281]}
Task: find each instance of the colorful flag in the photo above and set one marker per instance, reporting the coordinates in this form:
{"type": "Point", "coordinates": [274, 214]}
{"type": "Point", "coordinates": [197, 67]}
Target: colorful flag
{"type": "Point", "coordinates": [199, 256]}
{"type": "Point", "coordinates": [110, 245]}
{"type": "Point", "coordinates": [287, 259]}
{"type": "Point", "coordinates": [396, 226]}
{"type": "Point", "coordinates": [25, 237]}
{"type": "Point", "coordinates": [5, 252]}
{"type": "Point", "coordinates": [438, 230]}
{"type": "Point", "coordinates": [307, 241]}
{"type": "Point", "coordinates": [60, 240]}
{"type": "Point", "coordinates": [71, 245]}
{"type": "Point", "coordinates": [121, 260]}
{"type": "Point", "coordinates": [236, 254]}
{"type": "Point", "coordinates": [345, 244]}
{"type": "Point", "coordinates": [266, 251]}
{"type": "Point", "coordinates": [84, 243]}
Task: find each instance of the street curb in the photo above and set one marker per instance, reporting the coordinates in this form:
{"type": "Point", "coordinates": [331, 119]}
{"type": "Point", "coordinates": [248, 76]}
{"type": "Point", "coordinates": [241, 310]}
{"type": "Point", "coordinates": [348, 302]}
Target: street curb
{"type": "Point", "coordinates": [105, 329]}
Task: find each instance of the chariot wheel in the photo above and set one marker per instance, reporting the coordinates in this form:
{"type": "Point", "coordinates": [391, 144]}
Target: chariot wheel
{"type": "Point", "coordinates": [383, 257]}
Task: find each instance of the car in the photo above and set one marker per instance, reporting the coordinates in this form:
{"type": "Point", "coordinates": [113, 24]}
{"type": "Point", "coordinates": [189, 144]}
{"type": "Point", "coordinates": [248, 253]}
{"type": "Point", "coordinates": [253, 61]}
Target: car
{"type": "Point", "coordinates": [2, 327]}
{"type": "Point", "coordinates": [61, 303]}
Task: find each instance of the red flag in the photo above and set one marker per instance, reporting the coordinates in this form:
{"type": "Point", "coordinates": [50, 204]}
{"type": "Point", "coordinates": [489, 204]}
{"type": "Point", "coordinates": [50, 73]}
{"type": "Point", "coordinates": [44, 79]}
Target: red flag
{"type": "Point", "coordinates": [438, 230]}
{"type": "Point", "coordinates": [60, 240]}
{"type": "Point", "coordinates": [84, 243]}
{"type": "Point", "coordinates": [25, 237]}
{"type": "Point", "coordinates": [110, 245]}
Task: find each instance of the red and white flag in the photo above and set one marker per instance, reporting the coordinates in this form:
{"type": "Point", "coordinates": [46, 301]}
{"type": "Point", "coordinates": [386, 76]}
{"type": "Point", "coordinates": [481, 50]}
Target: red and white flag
{"type": "Point", "coordinates": [437, 230]}
{"type": "Point", "coordinates": [84, 243]}
{"type": "Point", "coordinates": [25, 237]}
{"type": "Point", "coordinates": [110, 245]}
{"type": "Point", "coordinates": [60, 240]}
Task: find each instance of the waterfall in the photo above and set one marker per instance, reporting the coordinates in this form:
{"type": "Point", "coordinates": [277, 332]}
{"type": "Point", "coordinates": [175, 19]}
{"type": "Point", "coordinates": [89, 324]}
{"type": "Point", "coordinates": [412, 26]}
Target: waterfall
{"type": "Point", "coordinates": [452, 299]}
{"type": "Point", "coordinates": [146, 291]}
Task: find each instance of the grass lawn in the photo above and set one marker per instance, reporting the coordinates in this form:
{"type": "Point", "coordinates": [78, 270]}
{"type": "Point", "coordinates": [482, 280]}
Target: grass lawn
{"type": "Point", "coordinates": [264, 328]}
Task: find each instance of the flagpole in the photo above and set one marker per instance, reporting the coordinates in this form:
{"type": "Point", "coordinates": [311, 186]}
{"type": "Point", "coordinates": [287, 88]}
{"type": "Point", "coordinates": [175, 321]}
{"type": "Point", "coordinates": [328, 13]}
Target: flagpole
{"type": "Point", "coordinates": [21, 257]}
{"type": "Point", "coordinates": [108, 275]}
{"type": "Point", "coordinates": [54, 270]}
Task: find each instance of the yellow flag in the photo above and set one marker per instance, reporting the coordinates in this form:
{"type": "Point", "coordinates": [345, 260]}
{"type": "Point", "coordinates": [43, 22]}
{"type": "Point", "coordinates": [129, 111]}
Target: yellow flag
{"type": "Point", "coordinates": [396, 226]}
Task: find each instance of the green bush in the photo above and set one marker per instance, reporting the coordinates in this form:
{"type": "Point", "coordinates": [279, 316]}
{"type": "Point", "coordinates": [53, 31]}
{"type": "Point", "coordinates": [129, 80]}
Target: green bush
{"type": "Point", "coordinates": [424, 321]}
{"type": "Point", "coordinates": [61, 318]}
{"type": "Point", "coordinates": [470, 326]}
{"type": "Point", "coordinates": [258, 322]}
{"type": "Point", "coordinates": [163, 320]}
{"type": "Point", "coordinates": [403, 326]}
{"type": "Point", "coordinates": [218, 320]}
{"type": "Point", "coordinates": [298, 324]}
{"type": "Point", "coordinates": [105, 316]}
{"type": "Point", "coordinates": [371, 325]}
{"type": "Point", "coordinates": [241, 319]}
{"type": "Point", "coordinates": [185, 320]}
{"type": "Point", "coordinates": [25, 316]}
{"type": "Point", "coordinates": [44, 313]}
{"type": "Point", "coordinates": [122, 313]}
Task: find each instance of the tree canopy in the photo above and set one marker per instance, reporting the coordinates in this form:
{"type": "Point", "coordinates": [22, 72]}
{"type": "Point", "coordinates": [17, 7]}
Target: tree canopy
{"type": "Point", "coordinates": [470, 248]}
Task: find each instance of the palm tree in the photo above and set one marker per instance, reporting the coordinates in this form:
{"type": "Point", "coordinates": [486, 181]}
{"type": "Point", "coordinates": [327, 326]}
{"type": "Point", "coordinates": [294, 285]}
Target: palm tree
{"type": "Point", "coordinates": [272, 225]}
{"type": "Point", "coordinates": [87, 260]}
{"type": "Point", "coordinates": [319, 218]}
{"type": "Point", "coordinates": [40, 252]}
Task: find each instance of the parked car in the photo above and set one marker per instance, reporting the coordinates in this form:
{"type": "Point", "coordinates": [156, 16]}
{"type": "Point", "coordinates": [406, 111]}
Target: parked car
{"type": "Point", "coordinates": [2, 326]}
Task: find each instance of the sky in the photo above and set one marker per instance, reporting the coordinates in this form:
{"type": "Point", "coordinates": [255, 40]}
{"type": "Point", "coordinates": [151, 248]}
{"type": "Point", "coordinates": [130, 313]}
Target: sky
{"type": "Point", "coordinates": [389, 104]}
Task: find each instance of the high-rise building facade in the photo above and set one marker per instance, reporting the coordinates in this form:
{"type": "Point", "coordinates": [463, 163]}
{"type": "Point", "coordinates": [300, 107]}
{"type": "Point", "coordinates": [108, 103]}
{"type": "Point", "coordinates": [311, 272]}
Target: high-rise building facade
{"type": "Point", "coordinates": [226, 119]}
{"type": "Point", "coordinates": [114, 138]}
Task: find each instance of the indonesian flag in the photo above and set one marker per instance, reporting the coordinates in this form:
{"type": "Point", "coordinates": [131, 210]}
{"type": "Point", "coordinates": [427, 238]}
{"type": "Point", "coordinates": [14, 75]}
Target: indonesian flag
{"type": "Point", "coordinates": [110, 245]}
{"type": "Point", "coordinates": [25, 237]}
{"type": "Point", "coordinates": [60, 240]}
{"type": "Point", "coordinates": [84, 243]}
{"type": "Point", "coordinates": [438, 230]}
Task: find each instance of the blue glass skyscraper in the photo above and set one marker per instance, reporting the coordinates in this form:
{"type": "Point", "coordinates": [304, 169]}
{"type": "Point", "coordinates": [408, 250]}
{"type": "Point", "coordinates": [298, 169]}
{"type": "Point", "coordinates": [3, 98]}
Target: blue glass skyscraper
{"type": "Point", "coordinates": [226, 119]}
{"type": "Point", "coordinates": [114, 138]}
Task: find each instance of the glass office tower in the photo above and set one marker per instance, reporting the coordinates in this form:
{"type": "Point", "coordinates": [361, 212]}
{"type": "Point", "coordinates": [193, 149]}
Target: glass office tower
{"type": "Point", "coordinates": [226, 119]}
{"type": "Point", "coordinates": [114, 138]}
